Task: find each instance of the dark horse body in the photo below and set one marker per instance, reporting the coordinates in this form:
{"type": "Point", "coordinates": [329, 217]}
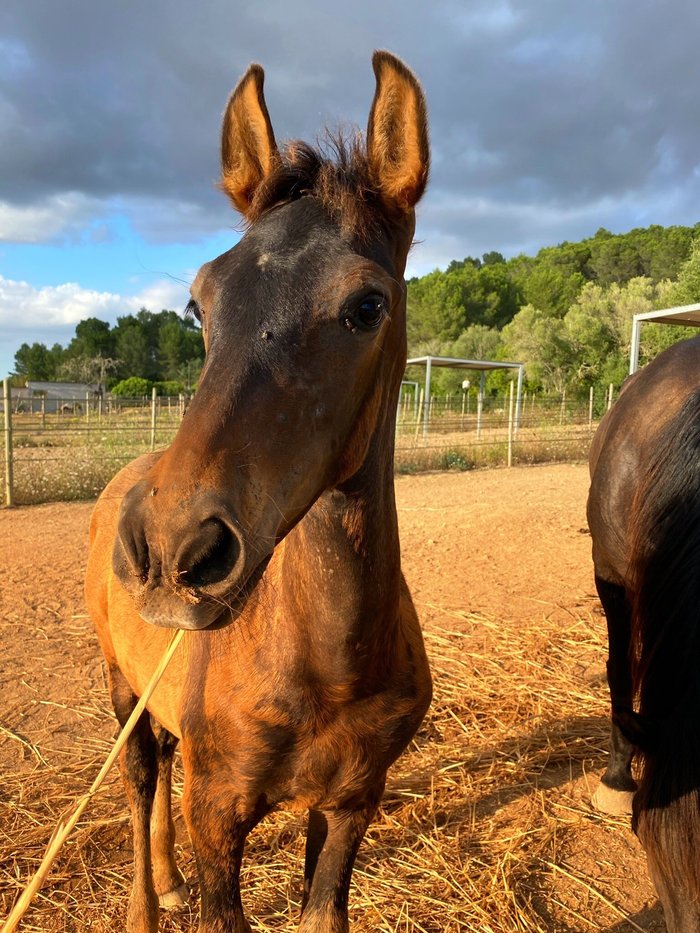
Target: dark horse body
{"type": "Point", "coordinates": [644, 516]}
{"type": "Point", "coordinates": [268, 528]}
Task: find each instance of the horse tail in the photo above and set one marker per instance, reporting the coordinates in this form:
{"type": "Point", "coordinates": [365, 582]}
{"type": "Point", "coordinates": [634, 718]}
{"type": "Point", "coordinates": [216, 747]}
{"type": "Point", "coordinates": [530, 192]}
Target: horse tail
{"type": "Point", "coordinates": [665, 567]}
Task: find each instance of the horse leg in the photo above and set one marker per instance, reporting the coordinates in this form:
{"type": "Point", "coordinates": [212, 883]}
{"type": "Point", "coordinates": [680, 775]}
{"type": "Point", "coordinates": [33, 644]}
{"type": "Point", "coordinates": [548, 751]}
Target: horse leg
{"type": "Point", "coordinates": [168, 880]}
{"type": "Point", "coordinates": [137, 763]}
{"type": "Point", "coordinates": [616, 789]}
{"type": "Point", "coordinates": [332, 841]}
{"type": "Point", "coordinates": [218, 823]}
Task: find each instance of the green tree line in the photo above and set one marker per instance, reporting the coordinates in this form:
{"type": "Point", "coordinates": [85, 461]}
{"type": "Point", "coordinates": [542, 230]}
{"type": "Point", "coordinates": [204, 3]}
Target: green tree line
{"type": "Point", "coordinates": [161, 347]}
{"type": "Point", "coordinates": [566, 312]}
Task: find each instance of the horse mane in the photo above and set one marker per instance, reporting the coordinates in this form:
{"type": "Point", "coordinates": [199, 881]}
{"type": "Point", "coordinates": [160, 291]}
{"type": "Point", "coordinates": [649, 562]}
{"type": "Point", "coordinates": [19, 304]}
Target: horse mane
{"type": "Point", "coordinates": [664, 580]}
{"type": "Point", "coordinates": [336, 172]}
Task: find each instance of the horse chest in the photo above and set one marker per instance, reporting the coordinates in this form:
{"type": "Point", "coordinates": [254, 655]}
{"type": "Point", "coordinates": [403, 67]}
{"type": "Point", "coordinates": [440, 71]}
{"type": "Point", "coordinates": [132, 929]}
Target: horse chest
{"type": "Point", "coordinates": [306, 747]}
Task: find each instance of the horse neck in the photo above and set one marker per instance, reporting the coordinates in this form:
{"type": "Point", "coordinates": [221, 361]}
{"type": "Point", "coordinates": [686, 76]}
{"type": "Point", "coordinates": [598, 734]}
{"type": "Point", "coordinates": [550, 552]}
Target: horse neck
{"type": "Point", "coordinates": [339, 579]}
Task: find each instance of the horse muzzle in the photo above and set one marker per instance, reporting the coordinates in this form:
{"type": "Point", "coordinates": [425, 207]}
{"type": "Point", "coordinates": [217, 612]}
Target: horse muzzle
{"type": "Point", "coordinates": [185, 566]}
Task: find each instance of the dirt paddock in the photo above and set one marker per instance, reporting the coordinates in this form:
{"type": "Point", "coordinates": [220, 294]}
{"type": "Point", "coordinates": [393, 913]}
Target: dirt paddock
{"type": "Point", "coordinates": [486, 824]}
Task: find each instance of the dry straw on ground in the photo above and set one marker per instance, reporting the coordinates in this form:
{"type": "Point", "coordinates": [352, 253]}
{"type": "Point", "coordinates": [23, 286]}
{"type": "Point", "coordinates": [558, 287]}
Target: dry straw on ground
{"type": "Point", "coordinates": [480, 828]}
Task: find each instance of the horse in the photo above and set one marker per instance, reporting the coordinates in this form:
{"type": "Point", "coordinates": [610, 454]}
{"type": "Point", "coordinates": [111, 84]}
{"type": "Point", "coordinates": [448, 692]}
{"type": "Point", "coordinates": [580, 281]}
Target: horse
{"type": "Point", "coordinates": [644, 517]}
{"type": "Point", "coordinates": [268, 528]}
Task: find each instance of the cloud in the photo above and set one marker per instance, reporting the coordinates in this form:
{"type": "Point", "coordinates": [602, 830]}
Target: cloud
{"type": "Point", "coordinates": [544, 111]}
{"type": "Point", "coordinates": [56, 215]}
{"type": "Point", "coordinates": [48, 315]}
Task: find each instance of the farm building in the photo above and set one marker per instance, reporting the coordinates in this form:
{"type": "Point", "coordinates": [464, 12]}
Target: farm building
{"type": "Point", "coordinates": [57, 396]}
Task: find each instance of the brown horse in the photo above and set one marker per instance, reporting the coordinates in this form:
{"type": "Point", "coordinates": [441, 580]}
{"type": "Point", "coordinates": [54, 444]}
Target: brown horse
{"type": "Point", "coordinates": [268, 528]}
{"type": "Point", "coordinates": [644, 516]}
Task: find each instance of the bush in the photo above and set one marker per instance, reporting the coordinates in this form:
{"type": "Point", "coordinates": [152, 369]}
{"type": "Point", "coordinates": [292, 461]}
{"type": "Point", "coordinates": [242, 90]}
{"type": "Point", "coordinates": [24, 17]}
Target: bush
{"type": "Point", "coordinates": [169, 387]}
{"type": "Point", "coordinates": [133, 387]}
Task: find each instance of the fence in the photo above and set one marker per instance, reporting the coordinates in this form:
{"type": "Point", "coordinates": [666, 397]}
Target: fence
{"type": "Point", "coordinates": [73, 451]}
{"type": "Point", "coordinates": [463, 433]}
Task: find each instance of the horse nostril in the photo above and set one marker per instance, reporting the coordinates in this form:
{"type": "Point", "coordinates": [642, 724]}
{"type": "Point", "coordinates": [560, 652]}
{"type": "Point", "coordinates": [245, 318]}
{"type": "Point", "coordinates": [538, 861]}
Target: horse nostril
{"type": "Point", "coordinates": [135, 548]}
{"type": "Point", "coordinates": [210, 556]}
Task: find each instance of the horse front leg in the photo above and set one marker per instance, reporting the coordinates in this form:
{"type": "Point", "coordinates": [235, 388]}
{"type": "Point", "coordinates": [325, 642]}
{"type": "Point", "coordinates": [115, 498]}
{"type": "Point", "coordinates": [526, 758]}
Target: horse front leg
{"type": "Point", "coordinates": [168, 880]}
{"type": "Point", "coordinates": [138, 766]}
{"type": "Point", "coordinates": [332, 842]}
{"type": "Point", "coordinates": [218, 822]}
{"type": "Point", "coordinates": [617, 786]}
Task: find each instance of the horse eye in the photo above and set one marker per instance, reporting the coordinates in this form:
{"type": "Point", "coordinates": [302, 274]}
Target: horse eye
{"type": "Point", "coordinates": [370, 312]}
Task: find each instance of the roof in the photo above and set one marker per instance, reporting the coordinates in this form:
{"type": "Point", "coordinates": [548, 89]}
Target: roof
{"type": "Point", "coordinates": [688, 315]}
{"type": "Point", "coordinates": [62, 390]}
{"type": "Point", "coordinates": [466, 364]}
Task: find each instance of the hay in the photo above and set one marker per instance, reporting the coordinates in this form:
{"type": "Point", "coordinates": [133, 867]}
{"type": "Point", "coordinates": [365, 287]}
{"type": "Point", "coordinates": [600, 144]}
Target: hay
{"type": "Point", "coordinates": [479, 828]}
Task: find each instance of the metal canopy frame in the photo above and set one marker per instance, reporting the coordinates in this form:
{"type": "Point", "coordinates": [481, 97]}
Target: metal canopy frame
{"type": "Point", "coordinates": [483, 366]}
{"type": "Point", "coordinates": [686, 315]}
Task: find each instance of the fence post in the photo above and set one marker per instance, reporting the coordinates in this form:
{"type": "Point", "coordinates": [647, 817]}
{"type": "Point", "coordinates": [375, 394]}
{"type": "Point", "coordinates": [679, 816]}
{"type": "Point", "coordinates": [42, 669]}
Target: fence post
{"type": "Point", "coordinates": [590, 409]}
{"type": "Point", "coordinates": [153, 418]}
{"type": "Point", "coordinates": [480, 404]}
{"type": "Point", "coordinates": [511, 421]}
{"type": "Point", "coordinates": [43, 411]}
{"type": "Point", "coordinates": [7, 400]}
{"type": "Point", "coordinates": [610, 396]}
{"type": "Point", "coordinates": [419, 410]}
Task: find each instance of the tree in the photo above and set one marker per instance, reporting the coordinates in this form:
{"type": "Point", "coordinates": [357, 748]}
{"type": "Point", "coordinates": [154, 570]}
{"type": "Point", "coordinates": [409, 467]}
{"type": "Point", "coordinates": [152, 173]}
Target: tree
{"type": "Point", "coordinates": [131, 347]}
{"type": "Point", "coordinates": [493, 258]}
{"type": "Point", "coordinates": [90, 370]}
{"type": "Point", "coordinates": [687, 287]}
{"type": "Point", "coordinates": [541, 342]}
{"type": "Point", "coordinates": [93, 337]}
{"type": "Point", "coordinates": [35, 363]}
{"type": "Point", "coordinates": [171, 348]}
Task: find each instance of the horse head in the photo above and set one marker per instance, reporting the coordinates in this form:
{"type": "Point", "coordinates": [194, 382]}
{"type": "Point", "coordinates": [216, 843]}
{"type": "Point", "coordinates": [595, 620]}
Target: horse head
{"type": "Point", "coordinates": [304, 328]}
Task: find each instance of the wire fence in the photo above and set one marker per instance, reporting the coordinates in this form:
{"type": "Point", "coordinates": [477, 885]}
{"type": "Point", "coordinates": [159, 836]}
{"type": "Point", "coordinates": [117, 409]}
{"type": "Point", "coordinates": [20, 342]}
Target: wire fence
{"type": "Point", "coordinates": [64, 450]}
{"type": "Point", "coordinates": [464, 432]}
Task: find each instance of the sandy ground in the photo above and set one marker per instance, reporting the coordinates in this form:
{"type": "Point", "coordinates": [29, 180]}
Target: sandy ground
{"type": "Point", "coordinates": [511, 545]}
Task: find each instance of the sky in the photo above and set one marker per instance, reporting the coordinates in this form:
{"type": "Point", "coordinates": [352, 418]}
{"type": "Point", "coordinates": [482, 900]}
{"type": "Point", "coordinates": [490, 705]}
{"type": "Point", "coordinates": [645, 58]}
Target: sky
{"type": "Point", "coordinates": [548, 120]}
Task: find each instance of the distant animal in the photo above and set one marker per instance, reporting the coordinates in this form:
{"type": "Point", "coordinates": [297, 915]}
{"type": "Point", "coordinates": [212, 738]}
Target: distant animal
{"type": "Point", "coordinates": [644, 516]}
{"type": "Point", "coordinates": [268, 528]}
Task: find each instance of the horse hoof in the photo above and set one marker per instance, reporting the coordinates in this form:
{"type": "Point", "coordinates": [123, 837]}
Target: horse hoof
{"type": "Point", "coordinates": [171, 900]}
{"type": "Point", "coordinates": [613, 802]}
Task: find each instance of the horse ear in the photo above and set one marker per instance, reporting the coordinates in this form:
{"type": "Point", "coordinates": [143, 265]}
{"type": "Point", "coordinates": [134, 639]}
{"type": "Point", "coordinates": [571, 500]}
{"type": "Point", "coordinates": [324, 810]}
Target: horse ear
{"type": "Point", "coordinates": [248, 148]}
{"type": "Point", "coordinates": [397, 133]}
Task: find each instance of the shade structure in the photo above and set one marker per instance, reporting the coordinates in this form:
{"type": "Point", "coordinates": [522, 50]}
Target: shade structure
{"type": "Point", "coordinates": [684, 315]}
{"type": "Point", "coordinates": [482, 366]}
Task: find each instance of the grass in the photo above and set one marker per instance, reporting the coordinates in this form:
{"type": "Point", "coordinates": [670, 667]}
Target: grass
{"type": "Point", "coordinates": [74, 459]}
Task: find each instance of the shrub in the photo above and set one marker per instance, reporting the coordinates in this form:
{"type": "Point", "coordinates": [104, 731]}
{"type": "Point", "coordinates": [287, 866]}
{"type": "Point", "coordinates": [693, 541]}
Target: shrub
{"type": "Point", "coordinates": [133, 387]}
{"type": "Point", "coordinates": [169, 387]}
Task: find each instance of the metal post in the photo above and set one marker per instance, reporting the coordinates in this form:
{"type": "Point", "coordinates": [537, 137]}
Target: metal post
{"type": "Point", "coordinates": [153, 418]}
{"type": "Point", "coordinates": [634, 343]}
{"type": "Point", "coordinates": [426, 399]}
{"type": "Point", "coordinates": [7, 400]}
{"type": "Point", "coordinates": [480, 404]}
{"type": "Point", "coordinates": [518, 400]}
{"type": "Point", "coordinates": [511, 422]}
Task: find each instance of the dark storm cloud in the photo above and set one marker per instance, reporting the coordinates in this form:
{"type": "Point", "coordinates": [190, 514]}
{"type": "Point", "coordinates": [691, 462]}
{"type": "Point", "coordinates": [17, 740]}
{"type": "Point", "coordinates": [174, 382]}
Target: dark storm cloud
{"type": "Point", "coordinates": [548, 119]}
